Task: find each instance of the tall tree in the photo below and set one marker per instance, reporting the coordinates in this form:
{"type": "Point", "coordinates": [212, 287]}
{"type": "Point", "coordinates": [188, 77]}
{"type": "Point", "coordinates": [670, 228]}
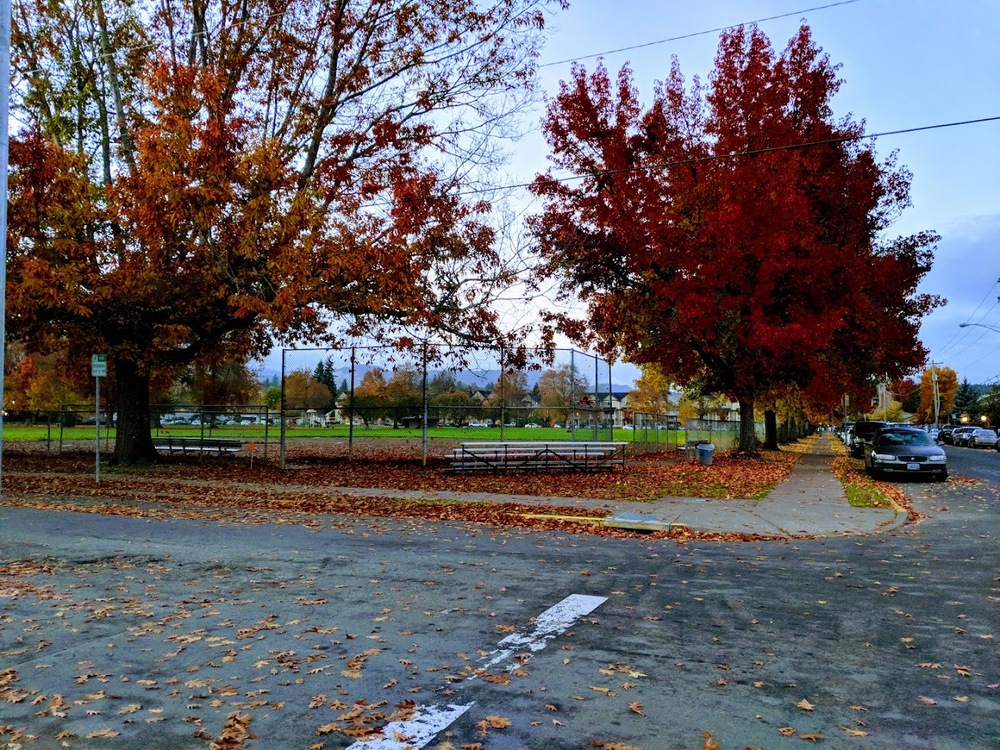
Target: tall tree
{"type": "Point", "coordinates": [652, 391]}
{"type": "Point", "coordinates": [907, 392]}
{"type": "Point", "coordinates": [304, 391]}
{"type": "Point", "coordinates": [733, 234]}
{"type": "Point", "coordinates": [195, 178]}
{"type": "Point", "coordinates": [947, 388]}
{"type": "Point", "coordinates": [370, 397]}
{"type": "Point", "coordinates": [965, 399]}
{"type": "Point", "coordinates": [404, 393]}
{"type": "Point", "coordinates": [326, 373]}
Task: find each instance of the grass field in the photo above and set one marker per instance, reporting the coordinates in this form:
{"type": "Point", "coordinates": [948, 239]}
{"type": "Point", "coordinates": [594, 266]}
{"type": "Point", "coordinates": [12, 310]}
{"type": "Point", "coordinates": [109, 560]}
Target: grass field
{"type": "Point", "coordinates": [43, 433]}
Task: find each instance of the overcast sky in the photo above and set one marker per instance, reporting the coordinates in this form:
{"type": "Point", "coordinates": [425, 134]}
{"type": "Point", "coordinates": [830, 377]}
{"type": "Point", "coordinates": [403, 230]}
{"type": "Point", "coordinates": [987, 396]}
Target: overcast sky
{"type": "Point", "coordinates": [905, 64]}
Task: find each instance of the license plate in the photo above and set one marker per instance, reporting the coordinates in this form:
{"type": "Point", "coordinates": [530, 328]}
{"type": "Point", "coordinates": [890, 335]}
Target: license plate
{"type": "Point", "coordinates": [913, 467]}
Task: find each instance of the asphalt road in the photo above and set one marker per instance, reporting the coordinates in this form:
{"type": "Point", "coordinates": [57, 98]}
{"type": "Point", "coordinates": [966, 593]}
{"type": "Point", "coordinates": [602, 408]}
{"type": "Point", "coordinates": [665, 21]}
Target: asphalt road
{"type": "Point", "coordinates": [124, 633]}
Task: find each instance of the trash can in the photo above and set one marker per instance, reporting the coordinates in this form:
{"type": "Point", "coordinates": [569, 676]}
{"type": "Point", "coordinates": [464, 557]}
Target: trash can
{"type": "Point", "coordinates": [705, 451]}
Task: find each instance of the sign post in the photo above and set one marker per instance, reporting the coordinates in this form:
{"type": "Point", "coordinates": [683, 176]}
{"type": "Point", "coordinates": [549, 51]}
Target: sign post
{"type": "Point", "coordinates": [98, 369]}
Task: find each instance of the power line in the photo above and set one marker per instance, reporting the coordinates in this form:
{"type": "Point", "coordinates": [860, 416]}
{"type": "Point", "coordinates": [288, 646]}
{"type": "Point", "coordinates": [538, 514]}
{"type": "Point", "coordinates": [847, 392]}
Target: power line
{"type": "Point", "coordinates": [735, 154]}
{"type": "Point", "coordinates": [694, 34]}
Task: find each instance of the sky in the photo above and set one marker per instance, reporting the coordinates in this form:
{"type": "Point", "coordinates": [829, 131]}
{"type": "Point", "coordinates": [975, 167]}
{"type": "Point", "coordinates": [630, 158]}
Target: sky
{"type": "Point", "coordinates": [905, 64]}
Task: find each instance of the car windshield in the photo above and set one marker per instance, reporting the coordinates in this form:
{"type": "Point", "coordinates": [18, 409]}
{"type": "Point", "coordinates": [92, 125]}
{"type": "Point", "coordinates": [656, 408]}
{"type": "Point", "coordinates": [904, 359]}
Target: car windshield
{"type": "Point", "coordinates": [904, 437]}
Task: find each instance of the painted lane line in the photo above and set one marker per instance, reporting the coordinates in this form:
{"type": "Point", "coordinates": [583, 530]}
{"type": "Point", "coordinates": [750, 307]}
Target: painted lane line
{"type": "Point", "coordinates": [428, 721]}
{"type": "Point", "coordinates": [425, 725]}
{"type": "Point", "coordinates": [552, 622]}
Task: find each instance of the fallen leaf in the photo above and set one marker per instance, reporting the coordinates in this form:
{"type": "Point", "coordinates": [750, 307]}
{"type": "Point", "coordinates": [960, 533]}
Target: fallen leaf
{"type": "Point", "coordinates": [102, 733]}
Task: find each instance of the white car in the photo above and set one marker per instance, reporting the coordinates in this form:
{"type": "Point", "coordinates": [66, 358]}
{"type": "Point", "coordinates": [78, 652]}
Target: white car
{"type": "Point", "coordinates": [981, 437]}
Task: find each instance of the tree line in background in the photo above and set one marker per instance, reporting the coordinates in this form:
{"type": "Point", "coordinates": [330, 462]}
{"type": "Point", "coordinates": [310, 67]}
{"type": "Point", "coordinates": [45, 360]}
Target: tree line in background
{"type": "Point", "coordinates": [39, 387]}
{"type": "Point", "coordinates": [191, 183]}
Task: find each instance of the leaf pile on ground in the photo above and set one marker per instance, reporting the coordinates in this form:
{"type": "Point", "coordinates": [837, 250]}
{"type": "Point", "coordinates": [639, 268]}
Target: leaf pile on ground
{"type": "Point", "coordinates": [643, 478]}
{"type": "Point", "coordinates": [229, 488]}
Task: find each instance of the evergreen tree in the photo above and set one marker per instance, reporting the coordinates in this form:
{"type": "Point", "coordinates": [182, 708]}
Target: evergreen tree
{"type": "Point", "coordinates": [965, 398]}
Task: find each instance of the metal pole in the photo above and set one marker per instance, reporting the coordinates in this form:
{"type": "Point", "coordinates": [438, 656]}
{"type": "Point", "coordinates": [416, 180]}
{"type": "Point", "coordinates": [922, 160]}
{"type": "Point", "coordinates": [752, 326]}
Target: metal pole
{"type": "Point", "coordinates": [937, 396]}
{"type": "Point", "coordinates": [597, 398]}
{"type": "Point", "coordinates": [350, 421]}
{"type": "Point", "coordinates": [97, 428]}
{"type": "Point", "coordinates": [572, 390]}
{"type": "Point", "coordinates": [425, 417]}
{"type": "Point", "coordinates": [611, 407]}
{"type": "Point", "coordinates": [281, 438]}
{"type": "Point", "coordinates": [503, 395]}
{"type": "Point", "coordinates": [4, 117]}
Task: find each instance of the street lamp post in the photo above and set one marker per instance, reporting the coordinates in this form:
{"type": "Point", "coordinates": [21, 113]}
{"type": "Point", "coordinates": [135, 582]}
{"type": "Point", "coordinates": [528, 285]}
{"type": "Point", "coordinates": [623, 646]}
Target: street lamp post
{"type": "Point", "coordinates": [979, 325]}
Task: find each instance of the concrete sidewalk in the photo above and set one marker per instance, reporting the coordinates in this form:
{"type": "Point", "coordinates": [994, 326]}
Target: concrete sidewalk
{"type": "Point", "coordinates": [811, 502]}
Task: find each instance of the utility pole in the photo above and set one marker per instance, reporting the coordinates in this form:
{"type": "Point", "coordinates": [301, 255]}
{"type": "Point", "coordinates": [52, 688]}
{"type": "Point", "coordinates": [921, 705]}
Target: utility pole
{"type": "Point", "coordinates": [937, 395]}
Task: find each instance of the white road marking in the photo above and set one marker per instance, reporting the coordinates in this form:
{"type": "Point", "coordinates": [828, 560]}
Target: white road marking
{"type": "Point", "coordinates": [552, 622]}
{"type": "Point", "coordinates": [428, 721]}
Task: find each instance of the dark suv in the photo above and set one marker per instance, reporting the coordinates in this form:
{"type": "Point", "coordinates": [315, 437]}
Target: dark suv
{"type": "Point", "coordinates": [862, 433]}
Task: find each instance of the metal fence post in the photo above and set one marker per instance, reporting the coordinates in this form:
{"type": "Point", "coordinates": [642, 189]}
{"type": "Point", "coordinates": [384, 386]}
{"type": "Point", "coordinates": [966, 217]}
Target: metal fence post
{"type": "Point", "coordinates": [281, 438]}
{"type": "Point", "coordinates": [424, 398]}
{"type": "Point", "coordinates": [350, 414]}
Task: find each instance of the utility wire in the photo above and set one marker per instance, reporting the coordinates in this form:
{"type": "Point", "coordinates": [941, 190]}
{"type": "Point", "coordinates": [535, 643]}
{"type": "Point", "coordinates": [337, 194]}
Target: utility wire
{"type": "Point", "coordinates": [963, 333]}
{"type": "Point", "coordinates": [694, 34]}
{"type": "Point", "coordinates": [738, 154]}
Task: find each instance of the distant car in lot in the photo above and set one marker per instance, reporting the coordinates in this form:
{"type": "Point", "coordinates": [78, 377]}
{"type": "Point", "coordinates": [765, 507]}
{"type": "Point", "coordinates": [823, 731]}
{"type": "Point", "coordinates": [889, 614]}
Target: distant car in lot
{"type": "Point", "coordinates": [981, 437]}
{"type": "Point", "coordinates": [905, 450]}
{"type": "Point", "coordinates": [532, 425]}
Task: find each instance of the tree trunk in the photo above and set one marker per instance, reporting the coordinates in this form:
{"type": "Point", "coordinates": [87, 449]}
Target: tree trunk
{"type": "Point", "coordinates": [748, 445]}
{"type": "Point", "coordinates": [134, 439]}
{"type": "Point", "coordinates": [770, 430]}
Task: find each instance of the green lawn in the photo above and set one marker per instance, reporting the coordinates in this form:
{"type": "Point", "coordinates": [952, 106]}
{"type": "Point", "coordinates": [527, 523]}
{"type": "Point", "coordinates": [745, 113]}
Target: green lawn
{"type": "Point", "coordinates": [42, 433]}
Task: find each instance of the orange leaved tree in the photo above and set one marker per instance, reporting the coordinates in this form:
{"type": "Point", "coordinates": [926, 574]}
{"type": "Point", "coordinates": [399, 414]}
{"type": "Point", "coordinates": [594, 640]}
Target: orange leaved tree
{"type": "Point", "coordinates": [195, 179]}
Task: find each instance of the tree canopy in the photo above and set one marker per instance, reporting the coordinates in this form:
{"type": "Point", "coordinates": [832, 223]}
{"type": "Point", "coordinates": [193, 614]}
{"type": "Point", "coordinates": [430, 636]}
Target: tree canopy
{"type": "Point", "coordinates": [192, 180]}
{"type": "Point", "coordinates": [733, 234]}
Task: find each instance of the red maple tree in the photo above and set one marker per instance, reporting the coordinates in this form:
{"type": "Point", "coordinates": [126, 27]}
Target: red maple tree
{"type": "Point", "coordinates": [193, 180]}
{"type": "Point", "coordinates": [733, 234]}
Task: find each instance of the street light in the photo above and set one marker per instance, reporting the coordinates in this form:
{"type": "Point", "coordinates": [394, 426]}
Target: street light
{"type": "Point", "coordinates": [981, 325]}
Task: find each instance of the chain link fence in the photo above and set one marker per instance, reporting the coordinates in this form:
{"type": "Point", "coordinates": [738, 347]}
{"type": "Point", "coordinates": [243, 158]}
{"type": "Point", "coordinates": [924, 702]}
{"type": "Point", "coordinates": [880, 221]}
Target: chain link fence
{"type": "Point", "coordinates": [418, 402]}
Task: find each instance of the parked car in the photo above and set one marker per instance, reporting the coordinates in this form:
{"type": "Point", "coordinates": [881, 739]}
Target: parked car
{"type": "Point", "coordinates": [945, 434]}
{"type": "Point", "coordinates": [959, 435]}
{"type": "Point", "coordinates": [981, 437]}
{"type": "Point", "coordinates": [905, 450]}
{"type": "Point", "coordinates": [844, 432]}
{"type": "Point", "coordinates": [863, 432]}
